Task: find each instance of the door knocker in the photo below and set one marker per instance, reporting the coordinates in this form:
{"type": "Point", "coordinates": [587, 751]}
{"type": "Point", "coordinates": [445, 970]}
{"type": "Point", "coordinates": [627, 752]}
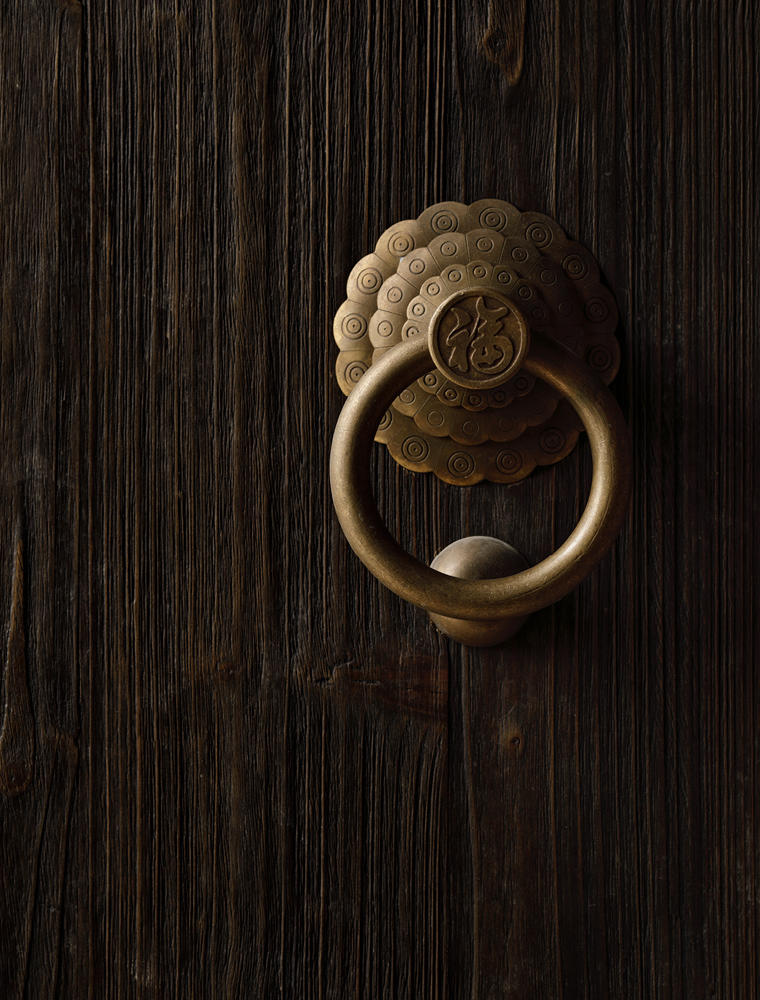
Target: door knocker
{"type": "Point", "coordinates": [476, 342]}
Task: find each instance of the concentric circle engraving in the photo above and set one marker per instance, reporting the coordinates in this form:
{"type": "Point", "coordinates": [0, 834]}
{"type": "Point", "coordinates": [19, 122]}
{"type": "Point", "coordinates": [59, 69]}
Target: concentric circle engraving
{"type": "Point", "coordinates": [355, 370]}
{"type": "Point", "coordinates": [369, 280]}
{"type": "Point", "coordinates": [401, 243]}
{"type": "Point", "coordinates": [444, 222]}
{"type": "Point", "coordinates": [415, 449]}
{"type": "Point", "coordinates": [548, 276]}
{"type": "Point", "coordinates": [478, 338]}
{"type": "Point", "coordinates": [539, 234]}
{"type": "Point", "coordinates": [597, 310]}
{"type": "Point", "coordinates": [493, 218]}
{"type": "Point", "coordinates": [575, 266]}
{"type": "Point", "coordinates": [354, 326]}
{"type": "Point", "coordinates": [599, 358]}
{"type": "Point", "coordinates": [509, 461]}
{"type": "Point", "coordinates": [523, 383]}
{"type": "Point", "coordinates": [505, 425]}
{"type": "Point", "coordinates": [461, 464]}
{"type": "Point", "coordinates": [553, 440]}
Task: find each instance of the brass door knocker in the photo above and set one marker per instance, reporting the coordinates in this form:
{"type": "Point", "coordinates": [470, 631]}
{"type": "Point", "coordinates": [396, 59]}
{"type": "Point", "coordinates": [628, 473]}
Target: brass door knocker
{"type": "Point", "coordinates": [476, 343]}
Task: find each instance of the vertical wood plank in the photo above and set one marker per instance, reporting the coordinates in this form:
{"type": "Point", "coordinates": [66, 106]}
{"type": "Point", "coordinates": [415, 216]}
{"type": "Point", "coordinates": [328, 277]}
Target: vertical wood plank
{"type": "Point", "coordinates": [230, 762]}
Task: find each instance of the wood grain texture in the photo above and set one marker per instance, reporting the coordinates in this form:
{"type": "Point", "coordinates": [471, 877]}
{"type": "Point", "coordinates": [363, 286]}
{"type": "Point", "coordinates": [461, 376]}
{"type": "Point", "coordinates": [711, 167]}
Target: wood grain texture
{"type": "Point", "coordinates": [231, 764]}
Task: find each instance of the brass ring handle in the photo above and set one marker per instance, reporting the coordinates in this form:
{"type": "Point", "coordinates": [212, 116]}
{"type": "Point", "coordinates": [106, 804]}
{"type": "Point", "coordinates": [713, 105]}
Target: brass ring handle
{"type": "Point", "coordinates": [480, 600]}
{"type": "Point", "coordinates": [459, 337]}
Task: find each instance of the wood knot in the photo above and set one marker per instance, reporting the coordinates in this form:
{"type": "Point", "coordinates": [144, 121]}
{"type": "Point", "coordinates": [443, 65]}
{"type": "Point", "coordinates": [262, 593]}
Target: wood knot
{"type": "Point", "coordinates": [512, 740]}
{"type": "Point", "coordinates": [504, 38]}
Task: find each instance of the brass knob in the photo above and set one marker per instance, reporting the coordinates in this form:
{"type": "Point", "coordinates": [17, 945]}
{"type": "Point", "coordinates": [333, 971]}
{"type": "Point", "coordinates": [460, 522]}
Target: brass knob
{"type": "Point", "coordinates": [487, 340]}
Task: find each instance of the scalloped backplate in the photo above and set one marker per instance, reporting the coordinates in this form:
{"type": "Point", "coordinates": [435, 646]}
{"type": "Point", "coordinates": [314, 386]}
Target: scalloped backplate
{"type": "Point", "coordinates": [498, 434]}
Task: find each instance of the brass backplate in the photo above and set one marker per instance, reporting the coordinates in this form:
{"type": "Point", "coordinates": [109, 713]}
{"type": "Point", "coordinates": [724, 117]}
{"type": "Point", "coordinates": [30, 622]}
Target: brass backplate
{"type": "Point", "coordinates": [455, 253]}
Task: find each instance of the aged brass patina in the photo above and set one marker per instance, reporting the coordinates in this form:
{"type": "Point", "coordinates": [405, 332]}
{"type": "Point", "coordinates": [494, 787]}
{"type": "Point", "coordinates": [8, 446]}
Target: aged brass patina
{"type": "Point", "coordinates": [479, 557]}
{"type": "Point", "coordinates": [477, 338]}
{"type": "Point", "coordinates": [497, 339]}
{"type": "Point", "coordinates": [463, 430]}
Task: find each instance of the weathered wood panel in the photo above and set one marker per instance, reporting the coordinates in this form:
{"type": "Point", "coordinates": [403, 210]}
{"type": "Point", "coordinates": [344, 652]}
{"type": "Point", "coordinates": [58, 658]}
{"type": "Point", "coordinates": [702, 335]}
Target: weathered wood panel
{"type": "Point", "coordinates": [230, 763]}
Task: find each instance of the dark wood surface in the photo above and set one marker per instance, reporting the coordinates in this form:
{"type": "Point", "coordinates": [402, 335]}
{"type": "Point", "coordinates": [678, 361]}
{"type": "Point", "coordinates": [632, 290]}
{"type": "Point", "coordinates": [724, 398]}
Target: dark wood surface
{"type": "Point", "coordinates": [231, 764]}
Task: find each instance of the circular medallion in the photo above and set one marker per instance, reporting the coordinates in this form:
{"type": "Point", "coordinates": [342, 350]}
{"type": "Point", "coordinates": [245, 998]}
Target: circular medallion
{"type": "Point", "coordinates": [477, 338]}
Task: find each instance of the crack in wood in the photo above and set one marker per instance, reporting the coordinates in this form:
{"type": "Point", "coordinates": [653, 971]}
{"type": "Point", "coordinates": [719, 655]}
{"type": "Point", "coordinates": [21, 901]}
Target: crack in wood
{"type": "Point", "coordinates": [17, 733]}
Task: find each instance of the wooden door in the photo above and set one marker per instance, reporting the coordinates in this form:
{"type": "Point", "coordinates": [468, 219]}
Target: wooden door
{"type": "Point", "coordinates": [231, 764]}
